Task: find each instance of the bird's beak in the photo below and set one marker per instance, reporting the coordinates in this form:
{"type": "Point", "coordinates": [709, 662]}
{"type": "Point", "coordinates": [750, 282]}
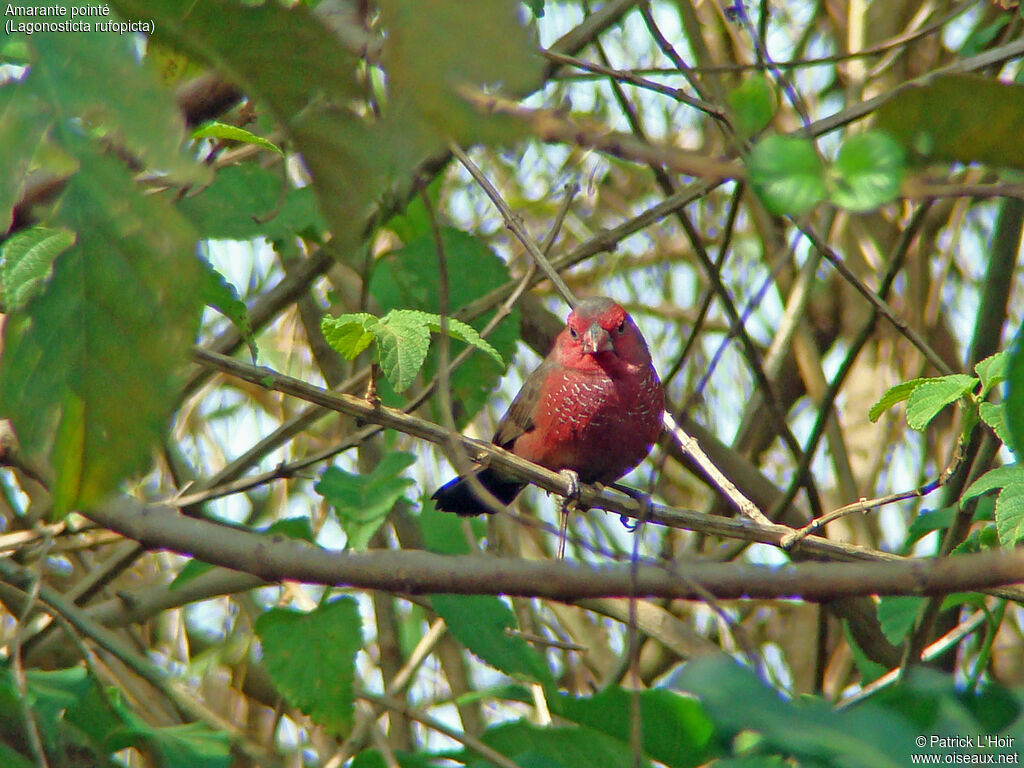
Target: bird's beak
{"type": "Point", "coordinates": [596, 339]}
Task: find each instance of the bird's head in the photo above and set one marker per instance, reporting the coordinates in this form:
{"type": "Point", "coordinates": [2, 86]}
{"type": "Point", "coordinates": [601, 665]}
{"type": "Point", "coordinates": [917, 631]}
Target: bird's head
{"type": "Point", "coordinates": [599, 333]}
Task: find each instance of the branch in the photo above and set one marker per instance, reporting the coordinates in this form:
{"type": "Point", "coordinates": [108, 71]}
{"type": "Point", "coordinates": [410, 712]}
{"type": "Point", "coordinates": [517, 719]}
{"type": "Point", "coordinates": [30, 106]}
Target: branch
{"type": "Point", "coordinates": [276, 558]}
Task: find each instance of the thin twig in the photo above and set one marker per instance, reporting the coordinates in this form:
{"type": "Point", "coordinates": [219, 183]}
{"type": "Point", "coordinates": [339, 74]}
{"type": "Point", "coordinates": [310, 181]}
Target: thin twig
{"type": "Point", "coordinates": [515, 224]}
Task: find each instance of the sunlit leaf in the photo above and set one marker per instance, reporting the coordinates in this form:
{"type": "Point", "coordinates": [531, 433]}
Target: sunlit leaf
{"type": "Point", "coordinates": [787, 174]}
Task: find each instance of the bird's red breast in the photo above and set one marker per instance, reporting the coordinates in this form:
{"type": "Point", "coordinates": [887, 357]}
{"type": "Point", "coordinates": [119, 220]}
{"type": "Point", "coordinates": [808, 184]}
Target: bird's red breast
{"type": "Point", "coordinates": [595, 404]}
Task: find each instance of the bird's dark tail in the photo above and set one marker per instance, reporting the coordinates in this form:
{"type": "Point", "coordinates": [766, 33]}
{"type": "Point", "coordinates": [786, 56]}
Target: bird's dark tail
{"type": "Point", "coordinates": [457, 495]}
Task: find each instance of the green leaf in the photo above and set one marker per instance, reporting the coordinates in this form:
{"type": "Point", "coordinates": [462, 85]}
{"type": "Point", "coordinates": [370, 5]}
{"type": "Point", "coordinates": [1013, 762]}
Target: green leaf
{"type": "Point", "coordinates": [311, 658]}
{"type": "Point", "coordinates": [408, 279]}
{"type": "Point", "coordinates": [463, 332]}
{"type": "Point", "coordinates": [402, 341]}
{"type": "Point", "coordinates": [1010, 514]}
{"type": "Point", "coordinates": [787, 174]}
{"type": "Point", "coordinates": [24, 121]}
{"type": "Point", "coordinates": [192, 745]}
{"type": "Point", "coordinates": [1000, 477]}
{"type": "Point", "coordinates": [994, 414]}
{"type": "Point", "coordinates": [869, 670]}
{"type": "Point", "coordinates": [11, 759]}
{"type": "Point", "coordinates": [112, 726]}
{"type": "Point", "coordinates": [25, 262]}
{"type": "Point", "coordinates": [897, 614]}
{"type": "Point", "coordinates": [292, 527]}
{"type": "Point", "coordinates": [867, 172]}
{"type": "Point", "coordinates": [479, 622]}
{"type": "Point", "coordinates": [299, 69]}
{"type": "Point", "coordinates": [362, 502]}
{"type": "Point", "coordinates": [1013, 404]}
{"type": "Point", "coordinates": [675, 730]}
{"type": "Point", "coordinates": [979, 540]}
{"type": "Point", "coordinates": [961, 118]}
{"type": "Point", "coordinates": [753, 103]}
{"type": "Point", "coordinates": [77, 72]}
{"type": "Point", "coordinates": [993, 370]}
{"type": "Point", "coordinates": [429, 57]}
{"type": "Point", "coordinates": [247, 201]}
{"type": "Point", "coordinates": [349, 334]}
{"type": "Point", "coordinates": [218, 293]}
{"type": "Point", "coordinates": [928, 521]}
{"type": "Point", "coordinates": [442, 531]}
{"type": "Point", "coordinates": [808, 731]}
{"type": "Point", "coordinates": [930, 397]}
{"type": "Point", "coordinates": [113, 326]}
{"type": "Point", "coordinates": [895, 394]}
{"type": "Point", "coordinates": [218, 130]}
{"type": "Point", "coordinates": [557, 747]}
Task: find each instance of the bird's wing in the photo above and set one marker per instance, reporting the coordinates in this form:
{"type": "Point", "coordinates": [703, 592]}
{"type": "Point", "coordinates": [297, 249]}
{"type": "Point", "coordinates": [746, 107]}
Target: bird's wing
{"type": "Point", "coordinates": [518, 419]}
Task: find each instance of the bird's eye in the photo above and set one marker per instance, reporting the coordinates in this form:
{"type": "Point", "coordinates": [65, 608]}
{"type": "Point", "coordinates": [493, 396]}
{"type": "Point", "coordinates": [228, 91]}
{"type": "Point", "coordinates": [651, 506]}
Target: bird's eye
{"type": "Point", "coordinates": [573, 332]}
{"type": "Point", "coordinates": [621, 329]}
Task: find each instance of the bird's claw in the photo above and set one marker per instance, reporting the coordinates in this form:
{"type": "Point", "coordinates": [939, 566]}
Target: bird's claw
{"type": "Point", "coordinates": [572, 494]}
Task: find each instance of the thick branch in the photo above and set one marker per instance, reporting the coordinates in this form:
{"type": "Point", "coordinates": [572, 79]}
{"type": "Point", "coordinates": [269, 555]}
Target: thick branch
{"type": "Point", "coordinates": [277, 558]}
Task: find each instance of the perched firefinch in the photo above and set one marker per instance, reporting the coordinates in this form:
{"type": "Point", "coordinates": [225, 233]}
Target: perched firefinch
{"type": "Point", "coordinates": [594, 406]}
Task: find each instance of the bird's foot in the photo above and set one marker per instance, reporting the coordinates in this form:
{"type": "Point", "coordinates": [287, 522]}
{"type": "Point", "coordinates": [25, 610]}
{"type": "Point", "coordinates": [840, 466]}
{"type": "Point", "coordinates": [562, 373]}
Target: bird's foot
{"type": "Point", "coordinates": [572, 494]}
{"type": "Point", "coordinates": [641, 498]}
{"type": "Point", "coordinates": [572, 498]}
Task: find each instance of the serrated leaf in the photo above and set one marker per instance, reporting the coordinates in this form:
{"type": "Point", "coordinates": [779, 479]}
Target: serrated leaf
{"type": "Point", "coordinates": [994, 415]}
{"type": "Point", "coordinates": [930, 397]}
{"type": "Point", "coordinates": [465, 333]}
{"type": "Point", "coordinates": [895, 394]}
{"type": "Point", "coordinates": [311, 658]}
{"type": "Point", "coordinates": [407, 278]}
{"type": "Point", "coordinates": [362, 502]}
{"type": "Point", "coordinates": [218, 130]}
{"type": "Point", "coordinates": [89, 374]}
{"type": "Point", "coordinates": [1010, 514]}
{"type": "Point", "coordinates": [787, 174]}
{"type": "Point", "coordinates": [349, 334]}
{"type": "Point", "coordinates": [479, 622]}
{"type": "Point", "coordinates": [867, 172]}
{"type": "Point", "coordinates": [25, 261]}
{"type": "Point", "coordinates": [753, 103]}
{"type": "Point", "coordinates": [1000, 477]}
{"type": "Point", "coordinates": [896, 616]}
{"type": "Point", "coordinates": [218, 293]}
{"type": "Point", "coordinates": [402, 340]}
{"type": "Point", "coordinates": [993, 370]}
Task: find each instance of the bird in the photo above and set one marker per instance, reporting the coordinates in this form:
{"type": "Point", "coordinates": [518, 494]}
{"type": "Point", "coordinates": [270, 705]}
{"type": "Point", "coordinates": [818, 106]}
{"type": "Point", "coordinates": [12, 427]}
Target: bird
{"type": "Point", "coordinates": [593, 409]}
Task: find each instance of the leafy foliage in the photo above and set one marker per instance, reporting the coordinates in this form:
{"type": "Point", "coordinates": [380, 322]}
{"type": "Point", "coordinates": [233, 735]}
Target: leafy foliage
{"type": "Point", "coordinates": [311, 658]}
{"type": "Point", "coordinates": [402, 337]}
{"type": "Point", "coordinates": [361, 502]}
{"type": "Point", "coordinates": [308, 171]}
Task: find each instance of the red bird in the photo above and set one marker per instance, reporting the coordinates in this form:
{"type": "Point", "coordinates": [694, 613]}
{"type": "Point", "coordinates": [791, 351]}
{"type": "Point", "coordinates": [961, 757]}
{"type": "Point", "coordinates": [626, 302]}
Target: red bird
{"type": "Point", "coordinates": [594, 406]}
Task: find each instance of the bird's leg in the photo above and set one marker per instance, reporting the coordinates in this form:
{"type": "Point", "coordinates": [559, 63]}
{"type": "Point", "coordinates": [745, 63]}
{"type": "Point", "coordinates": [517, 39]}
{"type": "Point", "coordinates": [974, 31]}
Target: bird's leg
{"type": "Point", "coordinates": [641, 498]}
{"type": "Point", "coordinates": [572, 496]}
